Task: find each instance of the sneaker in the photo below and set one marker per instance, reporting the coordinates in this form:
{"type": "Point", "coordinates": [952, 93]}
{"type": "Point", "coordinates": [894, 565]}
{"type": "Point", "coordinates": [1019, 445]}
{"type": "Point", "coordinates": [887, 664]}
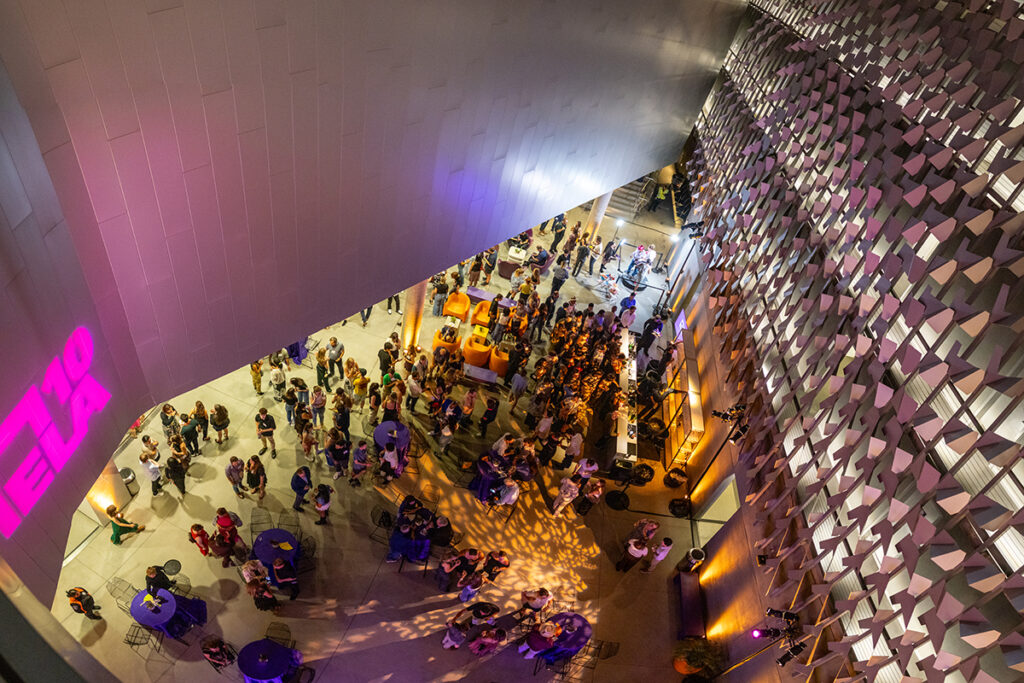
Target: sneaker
{"type": "Point", "coordinates": [390, 560]}
{"type": "Point", "coordinates": [319, 522]}
{"type": "Point", "coordinates": [296, 508]}
{"type": "Point", "coordinates": [344, 322]}
{"type": "Point", "coordinates": [273, 453]}
{"type": "Point", "coordinates": [398, 312]}
{"type": "Point", "coordinates": [337, 475]}
{"type": "Point", "coordinates": [263, 450]}
{"type": "Point", "coordinates": [389, 311]}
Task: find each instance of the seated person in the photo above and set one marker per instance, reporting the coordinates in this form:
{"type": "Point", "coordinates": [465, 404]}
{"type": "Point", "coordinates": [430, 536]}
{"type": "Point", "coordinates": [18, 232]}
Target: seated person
{"type": "Point", "coordinates": [217, 653]}
{"type": "Point", "coordinates": [440, 532]}
{"type": "Point", "coordinates": [506, 494]}
{"type": "Point", "coordinates": [448, 334]}
{"type": "Point", "coordinates": [539, 258]}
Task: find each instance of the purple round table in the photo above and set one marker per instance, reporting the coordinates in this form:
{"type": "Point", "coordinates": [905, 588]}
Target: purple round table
{"type": "Point", "coordinates": [382, 435]}
{"type": "Point", "coordinates": [576, 633]}
{"type": "Point", "coordinates": [264, 661]}
{"type": "Point", "coordinates": [266, 552]}
{"type": "Point", "coordinates": [155, 618]}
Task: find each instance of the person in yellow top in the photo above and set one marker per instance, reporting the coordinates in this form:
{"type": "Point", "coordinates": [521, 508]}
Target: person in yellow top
{"type": "Point", "coordinates": [256, 370]}
{"type": "Point", "coordinates": [359, 388]}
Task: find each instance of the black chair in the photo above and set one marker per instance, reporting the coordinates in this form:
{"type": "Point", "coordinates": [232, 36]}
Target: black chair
{"type": "Point", "coordinates": [383, 521]}
{"type": "Point", "coordinates": [289, 521]}
{"type": "Point", "coordinates": [171, 567]}
{"type": "Point", "coordinates": [182, 586]}
{"type": "Point", "coordinates": [595, 651]}
{"type": "Point", "coordinates": [259, 522]}
{"type": "Point", "coordinates": [139, 636]}
{"type": "Point", "coordinates": [440, 551]}
{"type": "Point", "coordinates": [232, 654]}
{"type": "Point", "coordinates": [280, 633]}
{"type": "Point", "coordinates": [122, 592]}
{"type": "Point", "coordinates": [302, 674]}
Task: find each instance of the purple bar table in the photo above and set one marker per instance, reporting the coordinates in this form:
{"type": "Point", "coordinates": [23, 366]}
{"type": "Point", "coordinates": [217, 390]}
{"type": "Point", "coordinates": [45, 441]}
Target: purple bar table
{"type": "Point", "coordinates": [264, 661]}
{"type": "Point", "coordinates": [401, 439]}
{"type": "Point", "coordinates": [159, 616]}
{"type": "Point", "coordinates": [576, 633]}
{"type": "Point", "coordinates": [266, 550]}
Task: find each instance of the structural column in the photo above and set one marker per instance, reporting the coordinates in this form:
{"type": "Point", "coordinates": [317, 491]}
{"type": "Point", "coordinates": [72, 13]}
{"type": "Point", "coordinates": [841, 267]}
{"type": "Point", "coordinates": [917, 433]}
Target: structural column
{"type": "Point", "coordinates": [415, 301]}
{"type": "Point", "coordinates": [597, 210]}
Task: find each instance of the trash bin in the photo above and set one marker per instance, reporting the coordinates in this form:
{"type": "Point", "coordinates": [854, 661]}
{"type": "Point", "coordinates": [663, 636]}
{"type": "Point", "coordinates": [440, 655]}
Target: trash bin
{"type": "Point", "coordinates": [128, 478]}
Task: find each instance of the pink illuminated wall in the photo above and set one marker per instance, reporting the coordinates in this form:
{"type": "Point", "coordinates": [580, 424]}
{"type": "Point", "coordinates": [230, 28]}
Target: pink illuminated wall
{"type": "Point", "coordinates": [257, 170]}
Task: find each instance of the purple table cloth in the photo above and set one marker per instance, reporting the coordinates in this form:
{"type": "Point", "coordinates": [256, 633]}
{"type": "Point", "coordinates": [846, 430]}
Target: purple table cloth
{"type": "Point", "coordinates": [401, 439]}
{"type": "Point", "coordinates": [266, 552]}
{"type": "Point", "coordinates": [156, 618]}
{"type": "Point", "coordinates": [576, 633]}
{"type": "Point", "coordinates": [264, 660]}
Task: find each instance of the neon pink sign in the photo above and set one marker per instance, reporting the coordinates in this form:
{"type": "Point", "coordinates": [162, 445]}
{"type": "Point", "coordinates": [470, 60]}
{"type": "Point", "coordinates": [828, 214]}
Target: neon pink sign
{"type": "Point", "coordinates": [68, 380]}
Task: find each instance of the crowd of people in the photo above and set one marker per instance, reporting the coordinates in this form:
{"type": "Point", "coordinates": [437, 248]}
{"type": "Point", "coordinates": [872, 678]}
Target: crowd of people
{"type": "Point", "coordinates": [560, 394]}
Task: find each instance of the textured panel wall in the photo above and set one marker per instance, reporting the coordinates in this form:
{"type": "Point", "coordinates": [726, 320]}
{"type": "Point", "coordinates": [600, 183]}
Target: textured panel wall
{"type": "Point", "coordinates": [259, 169]}
{"type": "Point", "coordinates": [43, 299]}
{"type": "Point", "coordinates": [860, 173]}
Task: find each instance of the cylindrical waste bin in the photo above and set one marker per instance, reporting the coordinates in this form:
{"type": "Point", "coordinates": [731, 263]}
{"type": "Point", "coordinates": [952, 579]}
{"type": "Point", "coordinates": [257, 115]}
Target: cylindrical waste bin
{"type": "Point", "coordinates": [128, 477]}
{"type": "Point", "coordinates": [694, 558]}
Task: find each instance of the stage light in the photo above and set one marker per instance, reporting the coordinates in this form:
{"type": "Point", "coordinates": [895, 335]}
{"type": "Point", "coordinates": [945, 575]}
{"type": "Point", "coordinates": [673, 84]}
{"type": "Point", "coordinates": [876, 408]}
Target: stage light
{"type": "Point", "coordinates": [619, 223]}
{"type": "Point", "coordinates": [791, 654]}
{"type": "Point", "coordinates": [779, 614]}
{"type": "Point", "coordinates": [766, 633]}
{"type": "Point", "coordinates": [762, 560]}
{"type": "Point", "coordinates": [738, 434]}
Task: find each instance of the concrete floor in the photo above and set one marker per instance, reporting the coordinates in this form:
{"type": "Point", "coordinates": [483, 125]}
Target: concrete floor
{"type": "Point", "coordinates": [358, 618]}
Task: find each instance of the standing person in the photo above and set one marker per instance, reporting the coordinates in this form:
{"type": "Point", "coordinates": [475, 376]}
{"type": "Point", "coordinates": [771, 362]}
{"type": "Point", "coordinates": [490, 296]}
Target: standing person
{"type": "Point", "coordinates": [322, 501]}
{"type": "Point", "coordinates": [149, 447]}
{"type": "Point", "coordinates": [559, 274]}
{"type": "Point", "coordinates": [120, 526]}
{"type": "Point", "coordinates": [475, 270]}
{"type": "Point", "coordinates": [413, 390]}
{"type": "Point", "coordinates": [582, 251]}
{"type": "Point", "coordinates": [439, 295]}
{"type": "Point", "coordinates": [490, 262]}
{"type": "Point", "coordinates": [567, 492]}
{"type": "Point", "coordinates": [152, 471]}
{"type": "Point", "coordinates": [157, 580]}
{"type": "Point", "coordinates": [262, 596]}
{"type": "Point", "coordinates": [394, 298]}
{"type": "Point", "coordinates": [265, 426]}
{"type": "Point", "coordinates": [190, 434]}
{"type": "Point", "coordinates": [235, 473]}
{"type": "Point", "coordinates": [360, 389]}
{"type": "Point", "coordinates": [365, 314]}
{"type": "Point", "coordinates": [291, 400]}
{"type": "Point", "coordinates": [82, 602]}
{"type": "Point", "coordinates": [659, 553]}
{"type": "Point", "coordinates": [635, 551]}
{"type": "Point", "coordinates": [517, 387]}
{"type": "Point", "coordinates": [169, 420]}
{"type": "Point", "coordinates": [285, 577]}
{"type": "Point", "coordinates": [494, 564]}
{"type": "Point", "coordinates": [611, 252]}
{"type": "Point", "coordinates": [586, 467]}
{"type": "Point", "coordinates": [175, 471]}
{"type": "Point", "coordinates": [335, 352]}
{"type": "Point", "coordinates": [256, 372]}
{"type": "Point", "coordinates": [490, 414]}
{"type": "Point", "coordinates": [256, 476]}
{"type": "Point", "coordinates": [323, 373]}
{"type": "Point", "coordinates": [374, 401]}
{"type": "Point", "coordinates": [386, 359]}
{"type": "Point", "coordinates": [200, 539]}
{"type": "Point", "coordinates": [343, 415]}
{"type": "Point", "coordinates": [591, 494]}
{"type": "Point", "coordinates": [595, 252]}
{"type": "Point", "coordinates": [219, 420]}
{"type": "Point", "coordinates": [558, 231]}
{"type": "Point", "coordinates": [277, 380]}
{"type": "Point", "coordinates": [319, 405]}
{"type": "Point", "coordinates": [301, 484]}
{"type": "Point", "coordinates": [627, 317]}
{"type": "Point", "coordinates": [301, 389]}
{"type": "Point", "coordinates": [203, 417]}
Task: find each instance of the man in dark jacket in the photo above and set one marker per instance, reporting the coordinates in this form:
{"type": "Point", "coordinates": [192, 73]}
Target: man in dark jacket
{"type": "Point", "coordinates": [190, 434]}
{"type": "Point", "coordinates": [301, 484]}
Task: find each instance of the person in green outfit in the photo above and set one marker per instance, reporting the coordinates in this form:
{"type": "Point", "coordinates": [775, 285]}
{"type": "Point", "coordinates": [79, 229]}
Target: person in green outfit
{"type": "Point", "coordinates": [120, 526]}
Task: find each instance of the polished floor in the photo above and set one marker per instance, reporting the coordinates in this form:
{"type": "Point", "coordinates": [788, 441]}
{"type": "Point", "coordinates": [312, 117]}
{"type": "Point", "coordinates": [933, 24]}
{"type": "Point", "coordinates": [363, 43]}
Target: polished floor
{"type": "Point", "coordinates": [359, 618]}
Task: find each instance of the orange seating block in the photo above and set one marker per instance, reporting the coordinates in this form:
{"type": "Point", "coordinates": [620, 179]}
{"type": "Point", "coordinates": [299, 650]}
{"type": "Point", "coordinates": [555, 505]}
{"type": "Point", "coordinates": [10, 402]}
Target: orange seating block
{"type": "Point", "coordinates": [451, 346]}
{"type": "Point", "coordinates": [482, 314]}
{"type": "Point", "coordinates": [498, 362]}
{"type": "Point", "coordinates": [457, 305]}
{"type": "Point", "coordinates": [476, 353]}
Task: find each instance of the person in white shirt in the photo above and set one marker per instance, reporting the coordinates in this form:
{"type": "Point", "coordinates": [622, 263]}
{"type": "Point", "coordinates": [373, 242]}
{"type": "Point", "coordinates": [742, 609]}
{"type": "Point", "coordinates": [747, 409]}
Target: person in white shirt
{"type": "Point", "coordinates": [567, 492]}
{"type": "Point", "coordinates": [152, 471]}
{"type": "Point", "coordinates": [628, 317]}
{"type": "Point", "coordinates": [585, 467]}
{"type": "Point", "coordinates": [657, 555]}
{"type": "Point", "coordinates": [508, 494]}
{"type": "Point", "coordinates": [635, 551]}
{"type": "Point", "coordinates": [573, 448]}
{"type": "Point", "coordinates": [503, 444]}
{"type": "Point", "coordinates": [277, 380]}
{"type": "Point", "coordinates": [413, 389]}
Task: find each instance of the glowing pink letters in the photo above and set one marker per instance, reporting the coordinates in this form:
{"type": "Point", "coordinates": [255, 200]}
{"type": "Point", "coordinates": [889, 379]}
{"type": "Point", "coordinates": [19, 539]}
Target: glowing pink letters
{"type": "Point", "coordinates": [68, 380]}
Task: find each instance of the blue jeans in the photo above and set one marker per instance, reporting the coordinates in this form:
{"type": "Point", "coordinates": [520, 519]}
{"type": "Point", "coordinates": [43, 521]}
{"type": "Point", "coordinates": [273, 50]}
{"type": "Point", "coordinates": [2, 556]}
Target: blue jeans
{"type": "Point", "coordinates": [439, 304]}
{"type": "Point", "coordinates": [318, 414]}
{"type": "Point", "coordinates": [303, 396]}
{"type": "Point", "coordinates": [289, 411]}
{"type": "Point", "coordinates": [365, 313]}
{"type": "Point", "coordinates": [299, 498]}
{"type": "Point", "coordinates": [410, 403]}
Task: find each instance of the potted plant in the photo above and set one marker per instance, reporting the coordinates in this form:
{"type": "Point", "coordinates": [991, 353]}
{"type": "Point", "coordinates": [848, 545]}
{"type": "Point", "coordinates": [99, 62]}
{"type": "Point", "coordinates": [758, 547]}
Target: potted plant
{"type": "Point", "coordinates": [697, 655]}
